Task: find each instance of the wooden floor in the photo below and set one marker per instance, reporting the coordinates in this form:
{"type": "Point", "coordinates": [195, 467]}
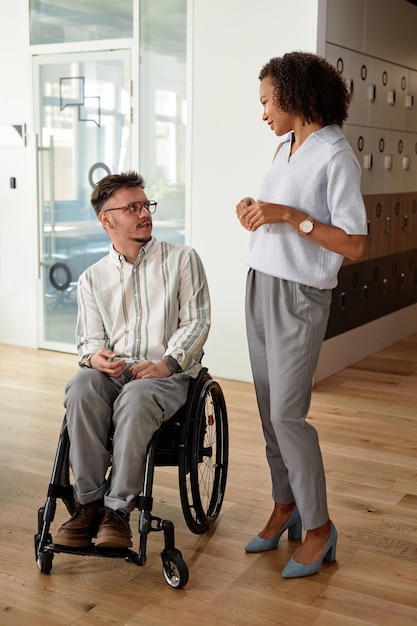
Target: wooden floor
{"type": "Point", "coordinates": [366, 416]}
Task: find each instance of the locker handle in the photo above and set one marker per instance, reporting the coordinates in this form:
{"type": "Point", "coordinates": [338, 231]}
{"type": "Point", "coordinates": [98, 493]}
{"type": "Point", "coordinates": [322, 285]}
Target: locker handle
{"type": "Point", "coordinates": [371, 93]}
{"type": "Point", "coordinates": [405, 222]}
{"type": "Point", "coordinates": [341, 300]}
{"type": "Point", "coordinates": [365, 293]}
{"type": "Point", "coordinates": [367, 161]}
{"type": "Point", "coordinates": [387, 225]}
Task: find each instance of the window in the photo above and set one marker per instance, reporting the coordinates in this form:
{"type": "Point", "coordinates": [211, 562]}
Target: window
{"type": "Point", "coordinates": [60, 21]}
{"type": "Point", "coordinates": [162, 140]}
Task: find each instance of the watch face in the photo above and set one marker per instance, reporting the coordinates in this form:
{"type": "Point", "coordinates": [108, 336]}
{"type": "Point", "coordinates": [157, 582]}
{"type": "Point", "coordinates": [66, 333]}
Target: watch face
{"type": "Point", "coordinates": [306, 226]}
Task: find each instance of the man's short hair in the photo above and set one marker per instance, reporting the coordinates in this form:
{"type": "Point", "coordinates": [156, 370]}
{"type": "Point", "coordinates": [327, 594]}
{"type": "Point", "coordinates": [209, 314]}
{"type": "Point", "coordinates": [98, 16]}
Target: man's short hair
{"type": "Point", "coordinates": [111, 183]}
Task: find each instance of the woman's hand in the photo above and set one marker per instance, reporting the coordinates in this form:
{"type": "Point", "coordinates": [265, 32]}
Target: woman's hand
{"type": "Point", "coordinates": [252, 214]}
{"type": "Point", "coordinates": [241, 210]}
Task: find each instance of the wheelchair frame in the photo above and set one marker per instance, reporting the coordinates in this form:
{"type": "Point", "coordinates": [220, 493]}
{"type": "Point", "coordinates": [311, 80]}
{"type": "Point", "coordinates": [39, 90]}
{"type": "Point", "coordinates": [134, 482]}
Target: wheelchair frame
{"type": "Point", "coordinates": [196, 440]}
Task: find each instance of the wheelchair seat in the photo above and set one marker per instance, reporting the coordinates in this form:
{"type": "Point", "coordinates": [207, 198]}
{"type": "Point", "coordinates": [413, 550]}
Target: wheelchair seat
{"type": "Point", "coordinates": [196, 440]}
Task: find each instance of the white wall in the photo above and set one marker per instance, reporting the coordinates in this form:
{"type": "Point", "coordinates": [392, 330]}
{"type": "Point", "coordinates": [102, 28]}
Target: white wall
{"type": "Point", "coordinates": [18, 230]}
{"type": "Point", "coordinates": [232, 147]}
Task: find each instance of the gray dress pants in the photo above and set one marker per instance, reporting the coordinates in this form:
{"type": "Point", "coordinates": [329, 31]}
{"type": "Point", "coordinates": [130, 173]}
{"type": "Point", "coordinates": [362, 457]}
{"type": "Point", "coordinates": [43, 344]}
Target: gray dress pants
{"type": "Point", "coordinates": [137, 408]}
{"type": "Point", "coordinates": [286, 323]}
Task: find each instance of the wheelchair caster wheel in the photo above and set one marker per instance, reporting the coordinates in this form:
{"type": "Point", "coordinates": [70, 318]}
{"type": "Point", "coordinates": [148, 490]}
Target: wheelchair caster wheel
{"type": "Point", "coordinates": [44, 561]}
{"type": "Point", "coordinates": [43, 558]}
{"type": "Point", "coordinates": [175, 571]}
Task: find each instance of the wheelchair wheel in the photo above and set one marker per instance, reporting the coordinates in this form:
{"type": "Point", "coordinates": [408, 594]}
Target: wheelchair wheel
{"type": "Point", "coordinates": [43, 558]}
{"type": "Point", "coordinates": [45, 562]}
{"type": "Point", "coordinates": [204, 462]}
{"type": "Point", "coordinates": [175, 571]}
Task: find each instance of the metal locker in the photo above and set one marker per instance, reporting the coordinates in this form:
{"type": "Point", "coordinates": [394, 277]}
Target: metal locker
{"type": "Point", "coordinates": [357, 71]}
{"type": "Point", "coordinates": [372, 293]}
{"type": "Point", "coordinates": [415, 277]}
{"type": "Point", "coordinates": [411, 102]}
{"type": "Point", "coordinates": [397, 91]}
{"type": "Point", "coordinates": [405, 280]}
{"type": "Point", "coordinates": [378, 211]}
{"type": "Point", "coordinates": [378, 86]}
{"type": "Point", "coordinates": [395, 146]}
{"type": "Point", "coordinates": [345, 306]}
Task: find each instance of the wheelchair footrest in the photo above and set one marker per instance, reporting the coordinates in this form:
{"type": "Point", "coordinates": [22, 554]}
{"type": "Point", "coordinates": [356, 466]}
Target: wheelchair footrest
{"type": "Point", "coordinates": [115, 553]}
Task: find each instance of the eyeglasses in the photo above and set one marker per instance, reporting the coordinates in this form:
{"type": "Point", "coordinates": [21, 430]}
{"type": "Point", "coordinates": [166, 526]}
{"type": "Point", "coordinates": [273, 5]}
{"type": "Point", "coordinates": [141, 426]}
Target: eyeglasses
{"type": "Point", "coordinates": [135, 208]}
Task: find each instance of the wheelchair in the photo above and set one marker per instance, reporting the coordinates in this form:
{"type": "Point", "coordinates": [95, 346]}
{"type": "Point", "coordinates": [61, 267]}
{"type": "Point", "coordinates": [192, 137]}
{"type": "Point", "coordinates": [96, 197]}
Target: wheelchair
{"type": "Point", "coordinates": [196, 440]}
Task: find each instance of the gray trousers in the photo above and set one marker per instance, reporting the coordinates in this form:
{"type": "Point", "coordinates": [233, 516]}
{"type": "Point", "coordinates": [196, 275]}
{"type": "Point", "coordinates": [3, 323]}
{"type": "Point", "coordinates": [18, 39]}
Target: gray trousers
{"type": "Point", "coordinates": [286, 323]}
{"type": "Point", "coordinates": [137, 408]}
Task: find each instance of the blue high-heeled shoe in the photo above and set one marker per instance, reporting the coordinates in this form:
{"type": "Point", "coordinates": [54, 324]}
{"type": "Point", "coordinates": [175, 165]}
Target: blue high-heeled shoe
{"type": "Point", "coordinates": [293, 524]}
{"type": "Point", "coordinates": [293, 569]}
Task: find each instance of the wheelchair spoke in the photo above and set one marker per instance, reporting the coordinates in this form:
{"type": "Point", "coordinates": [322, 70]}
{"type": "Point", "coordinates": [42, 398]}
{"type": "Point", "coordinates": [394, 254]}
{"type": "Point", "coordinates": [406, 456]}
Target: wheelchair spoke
{"type": "Point", "coordinates": [207, 457]}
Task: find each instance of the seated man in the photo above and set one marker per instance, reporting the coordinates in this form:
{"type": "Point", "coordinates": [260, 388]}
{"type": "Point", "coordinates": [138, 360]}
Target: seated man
{"type": "Point", "coordinates": [143, 318]}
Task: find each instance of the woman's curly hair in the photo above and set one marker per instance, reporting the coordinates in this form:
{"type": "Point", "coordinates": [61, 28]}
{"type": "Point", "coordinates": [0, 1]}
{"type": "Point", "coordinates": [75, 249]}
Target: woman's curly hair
{"type": "Point", "coordinates": [307, 85]}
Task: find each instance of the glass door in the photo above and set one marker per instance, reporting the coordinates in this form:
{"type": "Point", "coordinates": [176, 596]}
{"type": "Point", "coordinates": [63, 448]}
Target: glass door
{"type": "Point", "coordinates": [83, 124]}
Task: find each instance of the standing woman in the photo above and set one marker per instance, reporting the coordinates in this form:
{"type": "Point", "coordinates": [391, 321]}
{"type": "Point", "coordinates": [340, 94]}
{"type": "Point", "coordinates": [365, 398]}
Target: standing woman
{"type": "Point", "coordinates": [309, 216]}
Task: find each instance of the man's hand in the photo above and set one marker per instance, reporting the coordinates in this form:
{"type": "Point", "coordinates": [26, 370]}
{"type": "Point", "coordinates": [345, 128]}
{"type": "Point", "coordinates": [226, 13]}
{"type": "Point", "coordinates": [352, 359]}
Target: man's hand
{"type": "Point", "coordinates": [106, 361]}
{"type": "Point", "coordinates": [150, 369]}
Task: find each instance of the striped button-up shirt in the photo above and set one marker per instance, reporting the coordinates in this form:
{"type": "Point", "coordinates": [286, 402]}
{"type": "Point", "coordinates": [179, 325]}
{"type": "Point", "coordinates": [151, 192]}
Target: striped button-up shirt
{"type": "Point", "coordinates": [157, 307]}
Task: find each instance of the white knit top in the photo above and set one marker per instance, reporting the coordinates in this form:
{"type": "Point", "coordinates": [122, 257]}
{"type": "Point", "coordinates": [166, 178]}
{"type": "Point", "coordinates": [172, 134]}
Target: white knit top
{"type": "Point", "coordinates": [322, 179]}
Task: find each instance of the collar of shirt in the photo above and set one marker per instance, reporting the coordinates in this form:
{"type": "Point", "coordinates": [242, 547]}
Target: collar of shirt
{"type": "Point", "coordinates": [118, 259]}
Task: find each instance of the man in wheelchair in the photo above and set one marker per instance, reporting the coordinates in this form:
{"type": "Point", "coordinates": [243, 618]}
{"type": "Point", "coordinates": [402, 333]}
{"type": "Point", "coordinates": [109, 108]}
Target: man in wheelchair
{"type": "Point", "coordinates": [143, 318]}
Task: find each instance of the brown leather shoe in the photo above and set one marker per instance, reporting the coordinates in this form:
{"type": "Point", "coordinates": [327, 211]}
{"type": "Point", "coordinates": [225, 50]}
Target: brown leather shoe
{"type": "Point", "coordinates": [78, 531]}
{"type": "Point", "coordinates": [114, 530]}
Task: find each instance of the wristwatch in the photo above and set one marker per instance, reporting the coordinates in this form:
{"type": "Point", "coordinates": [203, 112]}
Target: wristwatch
{"type": "Point", "coordinates": [87, 362]}
{"type": "Point", "coordinates": [306, 226]}
{"type": "Point", "coordinates": [172, 364]}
